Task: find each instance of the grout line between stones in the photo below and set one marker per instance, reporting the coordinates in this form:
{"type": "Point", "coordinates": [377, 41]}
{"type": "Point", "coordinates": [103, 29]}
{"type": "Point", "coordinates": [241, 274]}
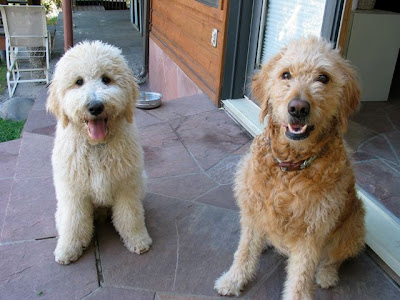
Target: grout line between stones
{"type": "Point", "coordinates": [191, 296]}
{"type": "Point", "coordinates": [191, 154]}
{"type": "Point", "coordinates": [192, 202]}
{"type": "Point", "coordinates": [265, 277]}
{"type": "Point", "coordinates": [169, 196]}
{"type": "Point", "coordinates": [177, 252]}
{"type": "Point", "coordinates": [99, 267]}
{"type": "Point", "coordinates": [151, 115]}
{"type": "Point", "coordinates": [118, 286]}
{"type": "Point", "coordinates": [91, 293]}
{"type": "Point", "coordinates": [390, 121]}
{"type": "Point", "coordinates": [178, 116]}
{"type": "Point", "coordinates": [46, 238]}
{"type": "Point", "coordinates": [393, 149]}
{"type": "Point", "coordinates": [377, 156]}
{"type": "Point", "coordinates": [16, 242]}
{"type": "Point", "coordinates": [176, 176]}
{"type": "Point", "coordinates": [204, 172]}
{"type": "Point", "coordinates": [210, 190]}
{"type": "Point", "coordinates": [390, 166]}
{"type": "Point", "coordinates": [367, 160]}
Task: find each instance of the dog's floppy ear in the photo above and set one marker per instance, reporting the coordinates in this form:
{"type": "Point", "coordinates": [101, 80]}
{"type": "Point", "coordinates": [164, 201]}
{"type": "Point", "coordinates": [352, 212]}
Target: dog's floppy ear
{"type": "Point", "coordinates": [259, 85]}
{"type": "Point", "coordinates": [53, 105]}
{"type": "Point", "coordinates": [130, 108]}
{"type": "Point", "coordinates": [351, 95]}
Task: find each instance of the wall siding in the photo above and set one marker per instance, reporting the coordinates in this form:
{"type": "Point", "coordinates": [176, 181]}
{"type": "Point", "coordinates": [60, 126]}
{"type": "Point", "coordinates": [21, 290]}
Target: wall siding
{"type": "Point", "coordinates": [182, 29]}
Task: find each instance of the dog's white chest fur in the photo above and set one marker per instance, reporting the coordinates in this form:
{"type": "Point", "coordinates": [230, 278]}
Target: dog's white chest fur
{"type": "Point", "coordinates": [96, 170]}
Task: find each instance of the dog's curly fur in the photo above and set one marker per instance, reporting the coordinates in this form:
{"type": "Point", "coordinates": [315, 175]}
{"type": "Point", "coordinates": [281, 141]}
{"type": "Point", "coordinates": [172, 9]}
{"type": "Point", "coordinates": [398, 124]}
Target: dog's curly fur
{"type": "Point", "coordinates": [312, 215]}
{"type": "Point", "coordinates": [96, 167]}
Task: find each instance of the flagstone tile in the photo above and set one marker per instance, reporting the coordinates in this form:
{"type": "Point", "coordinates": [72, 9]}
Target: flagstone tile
{"type": "Point", "coordinates": [31, 209]}
{"type": "Point", "coordinates": [8, 158]}
{"type": "Point", "coordinates": [35, 156]}
{"type": "Point", "coordinates": [40, 101]}
{"type": "Point", "coordinates": [143, 118]}
{"type": "Point", "coordinates": [107, 293]}
{"type": "Point", "coordinates": [184, 106]}
{"type": "Point", "coordinates": [5, 190]}
{"type": "Point", "coordinates": [210, 136]}
{"type": "Point", "coordinates": [192, 245]}
{"type": "Point", "coordinates": [28, 271]}
{"type": "Point", "coordinates": [380, 181]}
{"type": "Point", "coordinates": [224, 171]}
{"type": "Point", "coordinates": [186, 187]}
{"type": "Point", "coordinates": [379, 147]}
{"type": "Point", "coordinates": [164, 153]}
{"type": "Point", "coordinates": [41, 122]}
{"type": "Point", "coordinates": [222, 196]}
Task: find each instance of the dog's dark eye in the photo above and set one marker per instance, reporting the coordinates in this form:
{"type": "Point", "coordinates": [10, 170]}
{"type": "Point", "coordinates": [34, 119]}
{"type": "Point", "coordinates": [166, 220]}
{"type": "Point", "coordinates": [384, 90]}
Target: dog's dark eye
{"type": "Point", "coordinates": [79, 81]}
{"type": "Point", "coordinates": [105, 80]}
{"type": "Point", "coordinates": [286, 75]}
{"type": "Point", "coordinates": [323, 78]}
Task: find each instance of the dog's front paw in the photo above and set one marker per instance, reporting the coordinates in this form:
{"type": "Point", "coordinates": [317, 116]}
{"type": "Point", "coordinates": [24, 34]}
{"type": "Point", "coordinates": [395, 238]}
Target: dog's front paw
{"type": "Point", "coordinates": [65, 255]}
{"type": "Point", "coordinates": [228, 285]}
{"type": "Point", "coordinates": [327, 277]}
{"type": "Point", "coordinates": [139, 244]}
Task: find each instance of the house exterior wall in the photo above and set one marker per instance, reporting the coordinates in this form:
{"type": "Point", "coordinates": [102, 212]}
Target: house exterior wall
{"type": "Point", "coordinates": [182, 30]}
{"type": "Point", "coordinates": [166, 77]}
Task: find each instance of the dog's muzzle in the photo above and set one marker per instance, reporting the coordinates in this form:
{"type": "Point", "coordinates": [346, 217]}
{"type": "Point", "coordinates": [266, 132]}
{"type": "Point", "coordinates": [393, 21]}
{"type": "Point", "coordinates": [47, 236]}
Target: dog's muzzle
{"type": "Point", "coordinates": [297, 127]}
{"type": "Point", "coordinates": [97, 125]}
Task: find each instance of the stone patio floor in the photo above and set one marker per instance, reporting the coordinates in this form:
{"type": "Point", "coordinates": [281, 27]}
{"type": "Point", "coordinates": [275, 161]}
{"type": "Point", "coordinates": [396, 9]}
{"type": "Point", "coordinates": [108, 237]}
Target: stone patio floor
{"type": "Point", "coordinates": [191, 151]}
{"type": "Point", "coordinates": [374, 136]}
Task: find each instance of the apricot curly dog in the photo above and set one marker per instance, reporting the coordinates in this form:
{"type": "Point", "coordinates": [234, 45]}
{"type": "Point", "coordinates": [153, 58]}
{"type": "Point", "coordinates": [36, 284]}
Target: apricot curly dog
{"type": "Point", "coordinates": [296, 189]}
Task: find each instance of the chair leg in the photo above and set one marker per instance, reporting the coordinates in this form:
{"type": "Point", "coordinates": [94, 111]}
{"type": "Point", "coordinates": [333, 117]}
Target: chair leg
{"type": "Point", "coordinates": [15, 77]}
{"type": "Point", "coordinates": [47, 60]}
{"type": "Point", "coordinates": [10, 93]}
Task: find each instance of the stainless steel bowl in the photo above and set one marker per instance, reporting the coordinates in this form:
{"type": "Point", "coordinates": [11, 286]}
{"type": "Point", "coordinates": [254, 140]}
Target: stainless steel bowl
{"type": "Point", "coordinates": [149, 100]}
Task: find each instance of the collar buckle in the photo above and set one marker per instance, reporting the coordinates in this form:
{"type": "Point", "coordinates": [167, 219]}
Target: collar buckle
{"type": "Point", "coordinates": [307, 162]}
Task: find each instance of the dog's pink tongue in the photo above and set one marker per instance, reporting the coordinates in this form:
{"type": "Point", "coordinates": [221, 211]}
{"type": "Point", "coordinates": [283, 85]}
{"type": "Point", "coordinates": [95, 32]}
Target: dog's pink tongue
{"type": "Point", "coordinates": [297, 127]}
{"type": "Point", "coordinates": [97, 129]}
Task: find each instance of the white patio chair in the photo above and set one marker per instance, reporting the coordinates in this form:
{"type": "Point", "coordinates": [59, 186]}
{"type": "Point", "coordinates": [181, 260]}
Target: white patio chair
{"type": "Point", "coordinates": [27, 39]}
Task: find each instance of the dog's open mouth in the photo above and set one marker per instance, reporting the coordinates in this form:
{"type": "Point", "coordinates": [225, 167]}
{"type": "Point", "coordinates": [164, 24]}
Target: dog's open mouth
{"type": "Point", "coordinates": [298, 131]}
{"type": "Point", "coordinates": [97, 128]}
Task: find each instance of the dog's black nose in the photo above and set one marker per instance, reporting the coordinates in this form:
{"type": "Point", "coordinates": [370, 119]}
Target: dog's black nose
{"type": "Point", "coordinates": [95, 107]}
{"type": "Point", "coordinates": [298, 108]}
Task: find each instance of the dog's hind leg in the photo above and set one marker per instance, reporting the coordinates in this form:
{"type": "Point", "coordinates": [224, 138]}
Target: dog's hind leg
{"type": "Point", "coordinates": [74, 220]}
{"type": "Point", "coordinates": [245, 261]}
{"type": "Point", "coordinates": [128, 218]}
{"type": "Point", "coordinates": [347, 242]}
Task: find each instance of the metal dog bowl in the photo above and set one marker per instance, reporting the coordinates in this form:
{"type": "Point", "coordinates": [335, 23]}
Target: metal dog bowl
{"type": "Point", "coordinates": [149, 100]}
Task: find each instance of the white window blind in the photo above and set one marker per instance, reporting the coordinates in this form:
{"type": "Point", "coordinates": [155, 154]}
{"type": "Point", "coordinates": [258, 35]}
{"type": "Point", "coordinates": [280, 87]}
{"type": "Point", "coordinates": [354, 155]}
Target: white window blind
{"type": "Point", "coordinates": [290, 19]}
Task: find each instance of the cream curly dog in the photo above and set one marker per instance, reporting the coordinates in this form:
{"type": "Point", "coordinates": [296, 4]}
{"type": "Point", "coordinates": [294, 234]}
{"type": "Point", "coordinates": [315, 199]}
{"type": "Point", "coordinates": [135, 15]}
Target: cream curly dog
{"type": "Point", "coordinates": [97, 159]}
{"type": "Point", "coordinates": [296, 189]}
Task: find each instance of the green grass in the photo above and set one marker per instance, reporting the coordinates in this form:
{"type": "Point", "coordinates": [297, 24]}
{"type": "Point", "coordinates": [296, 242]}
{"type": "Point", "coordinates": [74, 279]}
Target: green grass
{"type": "Point", "coordinates": [10, 130]}
{"type": "Point", "coordinates": [3, 71]}
{"type": "Point", "coordinates": [52, 21]}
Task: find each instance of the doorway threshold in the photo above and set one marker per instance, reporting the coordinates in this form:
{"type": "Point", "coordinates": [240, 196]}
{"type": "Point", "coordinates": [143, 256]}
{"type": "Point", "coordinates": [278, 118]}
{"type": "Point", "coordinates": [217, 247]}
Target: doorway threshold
{"type": "Point", "coordinates": [245, 112]}
{"type": "Point", "coordinates": [382, 227]}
